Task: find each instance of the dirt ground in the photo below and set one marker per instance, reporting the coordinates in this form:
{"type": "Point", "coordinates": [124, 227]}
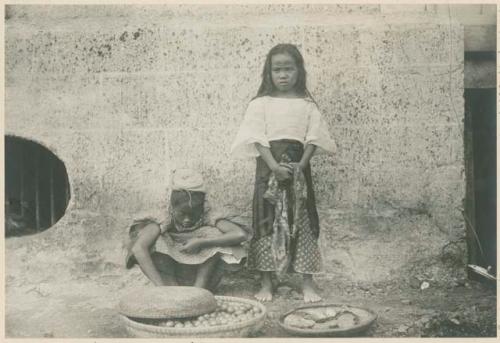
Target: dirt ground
{"type": "Point", "coordinates": [87, 307]}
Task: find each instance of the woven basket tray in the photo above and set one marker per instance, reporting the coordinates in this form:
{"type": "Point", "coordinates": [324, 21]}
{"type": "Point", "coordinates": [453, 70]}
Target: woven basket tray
{"type": "Point", "coordinates": [239, 329]}
{"type": "Point", "coordinates": [366, 317]}
{"type": "Point", "coordinates": [167, 302]}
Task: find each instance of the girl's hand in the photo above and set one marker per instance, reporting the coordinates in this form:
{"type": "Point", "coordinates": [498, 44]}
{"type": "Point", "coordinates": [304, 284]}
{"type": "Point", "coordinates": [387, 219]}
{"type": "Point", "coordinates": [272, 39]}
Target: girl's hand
{"type": "Point", "coordinates": [302, 166]}
{"type": "Point", "coordinates": [283, 172]}
{"type": "Point", "coordinates": [192, 246]}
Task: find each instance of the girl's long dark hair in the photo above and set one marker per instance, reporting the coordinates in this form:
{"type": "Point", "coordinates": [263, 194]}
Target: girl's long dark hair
{"type": "Point", "coordinates": [267, 86]}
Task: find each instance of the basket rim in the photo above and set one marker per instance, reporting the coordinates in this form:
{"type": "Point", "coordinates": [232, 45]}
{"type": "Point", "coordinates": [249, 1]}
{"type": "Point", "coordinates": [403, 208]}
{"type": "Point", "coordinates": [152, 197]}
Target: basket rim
{"type": "Point", "coordinates": [201, 330]}
{"type": "Point", "coordinates": [308, 332]}
{"type": "Point", "coordinates": [165, 315]}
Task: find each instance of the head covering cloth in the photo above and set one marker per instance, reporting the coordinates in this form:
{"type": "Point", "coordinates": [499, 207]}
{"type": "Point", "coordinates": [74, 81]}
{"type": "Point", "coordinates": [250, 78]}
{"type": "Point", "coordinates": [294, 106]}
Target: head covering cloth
{"type": "Point", "coordinates": [187, 182]}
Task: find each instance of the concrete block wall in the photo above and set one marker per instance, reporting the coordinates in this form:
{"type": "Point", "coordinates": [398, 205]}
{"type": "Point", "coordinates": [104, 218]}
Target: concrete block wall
{"type": "Point", "coordinates": [124, 94]}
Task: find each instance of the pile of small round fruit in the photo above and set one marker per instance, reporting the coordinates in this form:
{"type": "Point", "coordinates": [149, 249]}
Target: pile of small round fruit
{"type": "Point", "coordinates": [227, 312]}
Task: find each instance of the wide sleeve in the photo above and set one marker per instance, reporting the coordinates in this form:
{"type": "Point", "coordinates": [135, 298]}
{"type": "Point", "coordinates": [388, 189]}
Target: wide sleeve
{"type": "Point", "coordinates": [318, 133]}
{"type": "Point", "coordinates": [142, 219]}
{"type": "Point", "coordinates": [251, 131]}
{"type": "Point", "coordinates": [233, 215]}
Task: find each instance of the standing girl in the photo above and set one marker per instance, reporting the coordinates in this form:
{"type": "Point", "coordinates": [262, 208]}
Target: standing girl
{"type": "Point", "coordinates": [282, 129]}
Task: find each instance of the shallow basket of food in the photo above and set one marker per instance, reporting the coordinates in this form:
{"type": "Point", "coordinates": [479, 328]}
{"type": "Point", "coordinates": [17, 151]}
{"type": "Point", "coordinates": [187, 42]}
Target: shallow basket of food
{"type": "Point", "coordinates": [232, 317]}
{"type": "Point", "coordinates": [327, 320]}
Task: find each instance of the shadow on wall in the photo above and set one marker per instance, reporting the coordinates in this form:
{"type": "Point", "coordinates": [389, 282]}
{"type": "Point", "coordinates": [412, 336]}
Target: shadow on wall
{"type": "Point", "coordinates": [37, 188]}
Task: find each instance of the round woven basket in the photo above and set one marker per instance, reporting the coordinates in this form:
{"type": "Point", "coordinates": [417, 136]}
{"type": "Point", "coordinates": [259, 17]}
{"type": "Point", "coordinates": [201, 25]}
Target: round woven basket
{"type": "Point", "coordinates": [367, 317]}
{"type": "Point", "coordinates": [167, 302]}
{"type": "Point", "coordinates": [239, 329]}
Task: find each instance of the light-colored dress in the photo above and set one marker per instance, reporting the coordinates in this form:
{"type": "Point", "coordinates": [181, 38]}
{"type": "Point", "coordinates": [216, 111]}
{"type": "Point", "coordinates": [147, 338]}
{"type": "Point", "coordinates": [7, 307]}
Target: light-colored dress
{"type": "Point", "coordinates": [170, 242]}
{"type": "Point", "coordinates": [270, 119]}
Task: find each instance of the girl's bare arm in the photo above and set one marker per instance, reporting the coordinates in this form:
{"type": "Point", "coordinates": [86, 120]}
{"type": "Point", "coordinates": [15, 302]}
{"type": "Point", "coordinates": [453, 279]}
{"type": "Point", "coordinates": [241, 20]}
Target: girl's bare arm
{"type": "Point", "coordinates": [232, 234]}
{"type": "Point", "coordinates": [146, 239]}
{"type": "Point", "coordinates": [306, 156]}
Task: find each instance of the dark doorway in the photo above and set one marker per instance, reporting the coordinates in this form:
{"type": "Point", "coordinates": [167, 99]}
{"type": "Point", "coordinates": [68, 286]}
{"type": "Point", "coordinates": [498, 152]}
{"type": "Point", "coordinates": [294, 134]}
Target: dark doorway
{"type": "Point", "coordinates": [36, 187]}
{"type": "Point", "coordinates": [480, 157]}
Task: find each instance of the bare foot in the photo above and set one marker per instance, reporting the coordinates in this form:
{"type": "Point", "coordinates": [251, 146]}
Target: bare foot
{"type": "Point", "coordinates": [266, 290]}
{"type": "Point", "coordinates": [264, 294]}
{"type": "Point", "coordinates": [310, 294]}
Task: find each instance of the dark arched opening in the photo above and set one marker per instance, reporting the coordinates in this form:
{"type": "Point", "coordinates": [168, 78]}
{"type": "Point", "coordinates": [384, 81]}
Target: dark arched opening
{"type": "Point", "coordinates": [37, 189]}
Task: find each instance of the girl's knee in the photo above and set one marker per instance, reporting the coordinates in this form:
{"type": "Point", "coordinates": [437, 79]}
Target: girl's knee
{"type": "Point", "coordinates": [162, 261]}
{"type": "Point", "coordinates": [211, 261]}
{"type": "Point", "coordinates": [210, 273]}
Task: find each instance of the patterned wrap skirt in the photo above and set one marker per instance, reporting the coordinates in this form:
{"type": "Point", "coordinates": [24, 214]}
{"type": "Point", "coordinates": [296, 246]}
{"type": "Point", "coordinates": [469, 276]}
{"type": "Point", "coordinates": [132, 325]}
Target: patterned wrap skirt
{"type": "Point", "coordinates": [305, 254]}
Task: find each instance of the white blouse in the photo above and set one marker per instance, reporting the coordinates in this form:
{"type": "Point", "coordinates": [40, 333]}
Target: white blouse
{"type": "Point", "coordinates": [268, 119]}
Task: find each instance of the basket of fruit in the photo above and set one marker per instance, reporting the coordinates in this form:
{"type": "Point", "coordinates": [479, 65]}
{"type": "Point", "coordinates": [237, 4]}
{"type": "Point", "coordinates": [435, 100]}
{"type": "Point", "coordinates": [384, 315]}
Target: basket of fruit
{"type": "Point", "coordinates": [226, 317]}
{"type": "Point", "coordinates": [327, 320]}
